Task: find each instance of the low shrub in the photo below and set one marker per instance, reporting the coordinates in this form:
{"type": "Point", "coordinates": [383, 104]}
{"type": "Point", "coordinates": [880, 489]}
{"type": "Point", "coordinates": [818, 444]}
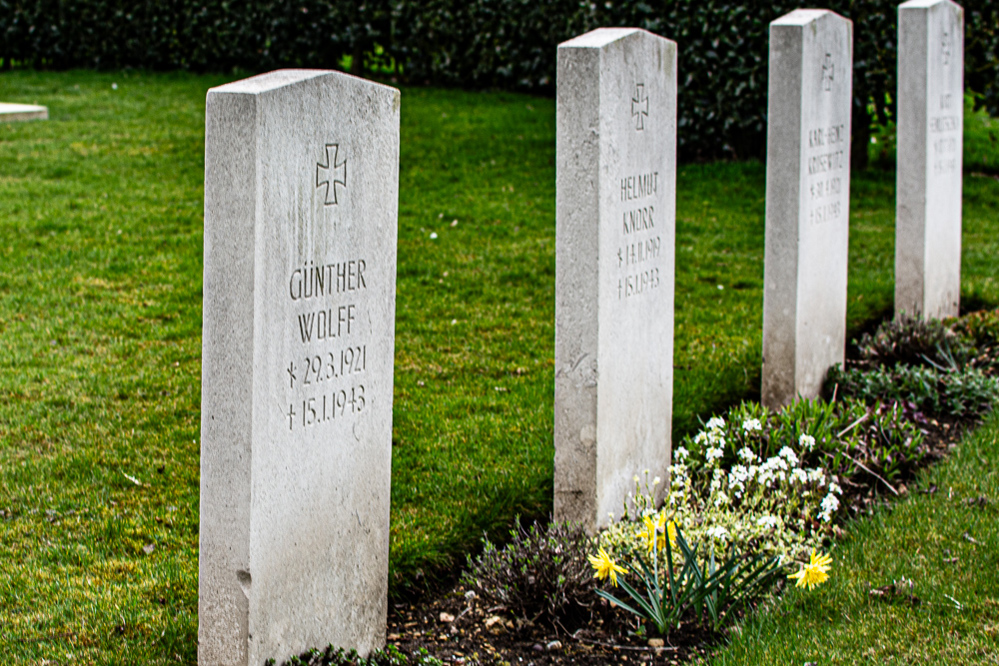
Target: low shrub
{"type": "Point", "coordinates": [968, 391]}
{"type": "Point", "coordinates": [981, 327]}
{"type": "Point", "coordinates": [333, 656]}
{"type": "Point", "coordinates": [541, 575]}
{"type": "Point", "coordinates": [914, 342]}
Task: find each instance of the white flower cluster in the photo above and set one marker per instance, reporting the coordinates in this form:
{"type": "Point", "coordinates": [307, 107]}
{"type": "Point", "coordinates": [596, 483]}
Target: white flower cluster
{"type": "Point", "coordinates": [781, 476]}
{"type": "Point", "coordinates": [771, 505]}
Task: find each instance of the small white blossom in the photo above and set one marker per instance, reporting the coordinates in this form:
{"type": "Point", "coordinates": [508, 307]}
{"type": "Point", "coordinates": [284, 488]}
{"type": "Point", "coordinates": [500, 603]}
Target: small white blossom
{"type": "Point", "coordinates": [721, 498]}
{"type": "Point", "coordinates": [747, 455]}
{"type": "Point", "coordinates": [828, 507]}
{"type": "Point", "coordinates": [718, 532]}
{"type": "Point", "coordinates": [769, 522]}
{"type": "Point", "coordinates": [788, 454]}
{"type": "Point", "coordinates": [806, 442]}
{"type": "Point", "coordinates": [656, 481]}
{"type": "Point", "coordinates": [715, 423]}
{"type": "Point", "coordinates": [834, 488]}
{"type": "Point", "coordinates": [749, 425]}
{"type": "Point", "coordinates": [701, 437]}
{"type": "Point", "coordinates": [714, 453]}
{"type": "Point", "coordinates": [817, 474]}
{"type": "Point", "coordinates": [799, 475]}
{"type": "Point", "coordinates": [680, 454]}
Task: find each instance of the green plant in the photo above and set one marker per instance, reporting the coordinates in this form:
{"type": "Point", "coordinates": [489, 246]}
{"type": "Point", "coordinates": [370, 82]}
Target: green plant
{"type": "Point", "coordinates": [334, 656]}
{"type": "Point", "coordinates": [765, 432]}
{"type": "Point", "coordinates": [889, 444]}
{"type": "Point", "coordinates": [914, 342]}
{"type": "Point", "coordinates": [966, 391]}
{"type": "Point", "coordinates": [669, 594]}
{"type": "Point", "coordinates": [541, 574]}
{"type": "Point", "coordinates": [982, 327]}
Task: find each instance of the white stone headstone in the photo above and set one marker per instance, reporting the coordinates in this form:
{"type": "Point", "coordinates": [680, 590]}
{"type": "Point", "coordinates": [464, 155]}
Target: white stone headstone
{"type": "Point", "coordinates": [930, 131]}
{"type": "Point", "coordinates": [808, 202]}
{"type": "Point", "coordinates": [18, 112]}
{"type": "Point", "coordinates": [614, 258]}
{"type": "Point", "coordinates": [301, 210]}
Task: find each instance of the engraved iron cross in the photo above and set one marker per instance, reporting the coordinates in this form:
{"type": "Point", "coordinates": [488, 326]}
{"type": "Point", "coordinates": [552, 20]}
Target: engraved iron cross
{"type": "Point", "coordinates": [828, 72]}
{"type": "Point", "coordinates": [335, 174]}
{"type": "Point", "coordinates": [639, 106]}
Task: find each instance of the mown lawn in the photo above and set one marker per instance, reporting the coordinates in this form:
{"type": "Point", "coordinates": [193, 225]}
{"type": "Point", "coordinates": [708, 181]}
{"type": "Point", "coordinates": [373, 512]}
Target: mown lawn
{"type": "Point", "coordinates": [100, 315]}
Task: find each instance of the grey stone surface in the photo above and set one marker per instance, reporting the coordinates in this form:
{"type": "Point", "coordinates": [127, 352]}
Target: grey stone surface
{"type": "Point", "coordinates": [18, 112]}
{"type": "Point", "coordinates": [930, 130]}
{"type": "Point", "coordinates": [301, 206]}
{"type": "Point", "coordinates": [808, 202]}
{"type": "Point", "coordinates": [614, 259]}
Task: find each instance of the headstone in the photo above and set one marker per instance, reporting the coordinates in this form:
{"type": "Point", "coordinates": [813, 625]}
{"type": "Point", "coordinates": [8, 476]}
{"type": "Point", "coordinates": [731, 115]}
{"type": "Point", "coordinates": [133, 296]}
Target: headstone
{"type": "Point", "coordinates": [614, 258]}
{"type": "Point", "coordinates": [18, 112]}
{"type": "Point", "coordinates": [301, 205]}
{"type": "Point", "coordinates": [930, 129]}
{"type": "Point", "coordinates": [808, 202]}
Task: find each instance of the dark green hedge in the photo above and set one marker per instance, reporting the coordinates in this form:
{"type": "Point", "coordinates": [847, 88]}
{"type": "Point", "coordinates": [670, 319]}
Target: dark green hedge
{"type": "Point", "coordinates": [483, 43]}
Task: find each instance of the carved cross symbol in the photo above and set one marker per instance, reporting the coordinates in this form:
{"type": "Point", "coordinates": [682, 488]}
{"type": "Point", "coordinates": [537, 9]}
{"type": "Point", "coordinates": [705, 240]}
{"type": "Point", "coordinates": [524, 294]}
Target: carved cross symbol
{"type": "Point", "coordinates": [945, 43]}
{"type": "Point", "coordinates": [828, 72]}
{"type": "Point", "coordinates": [331, 174]}
{"type": "Point", "coordinates": [639, 106]}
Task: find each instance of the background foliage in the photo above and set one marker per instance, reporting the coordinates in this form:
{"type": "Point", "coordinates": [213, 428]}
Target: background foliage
{"type": "Point", "coordinates": [508, 44]}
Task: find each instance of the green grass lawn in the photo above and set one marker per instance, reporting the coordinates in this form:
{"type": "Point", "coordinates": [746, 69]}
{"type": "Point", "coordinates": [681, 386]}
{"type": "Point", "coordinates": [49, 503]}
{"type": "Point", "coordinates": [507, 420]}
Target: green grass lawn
{"type": "Point", "coordinates": [100, 316]}
{"type": "Point", "coordinates": [945, 542]}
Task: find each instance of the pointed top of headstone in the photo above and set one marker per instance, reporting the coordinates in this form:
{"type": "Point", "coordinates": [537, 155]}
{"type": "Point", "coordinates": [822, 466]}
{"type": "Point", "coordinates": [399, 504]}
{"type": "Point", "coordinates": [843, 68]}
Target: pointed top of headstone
{"type": "Point", "coordinates": [803, 16]}
{"type": "Point", "coordinates": [280, 78]}
{"type": "Point", "coordinates": [601, 37]}
{"type": "Point", "coordinates": [16, 112]}
{"type": "Point", "coordinates": [924, 4]}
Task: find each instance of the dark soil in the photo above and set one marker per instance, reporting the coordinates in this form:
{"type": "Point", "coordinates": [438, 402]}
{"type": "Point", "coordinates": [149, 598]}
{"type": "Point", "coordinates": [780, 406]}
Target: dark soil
{"type": "Point", "coordinates": [458, 628]}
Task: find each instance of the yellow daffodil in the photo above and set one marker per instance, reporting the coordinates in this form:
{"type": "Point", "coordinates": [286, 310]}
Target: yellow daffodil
{"type": "Point", "coordinates": [671, 530]}
{"type": "Point", "coordinates": [648, 535]}
{"type": "Point", "coordinates": [604, 567]}
{"type": "Point", "coordinates": [815, 572]}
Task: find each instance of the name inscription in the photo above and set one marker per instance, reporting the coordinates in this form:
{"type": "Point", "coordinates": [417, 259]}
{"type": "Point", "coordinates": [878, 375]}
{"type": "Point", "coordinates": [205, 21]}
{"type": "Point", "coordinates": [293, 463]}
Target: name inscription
{"type": "Point", "coordinates": [827, 157]}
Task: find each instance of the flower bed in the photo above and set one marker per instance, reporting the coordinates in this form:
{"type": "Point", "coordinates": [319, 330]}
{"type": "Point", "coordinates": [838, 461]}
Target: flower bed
{"type": "Point", "coordinates": [756, 498]}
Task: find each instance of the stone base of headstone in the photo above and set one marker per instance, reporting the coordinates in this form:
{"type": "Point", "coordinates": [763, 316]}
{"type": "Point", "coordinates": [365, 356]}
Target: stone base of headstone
{"type": "Point", "coordinates": [808, 202]}
{"type": "Point", "coordinates": [930, 130]}
{"type": "Point", "coordinates": [614, 261]}
{"type": "Point", "coordinates": [17, 112]}
{"type": "Point", "coordinates": [301, 205]}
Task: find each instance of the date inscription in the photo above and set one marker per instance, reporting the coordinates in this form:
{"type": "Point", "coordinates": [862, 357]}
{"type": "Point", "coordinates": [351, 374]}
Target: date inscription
{"type": "Point", "coordinates": [326, 408]}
